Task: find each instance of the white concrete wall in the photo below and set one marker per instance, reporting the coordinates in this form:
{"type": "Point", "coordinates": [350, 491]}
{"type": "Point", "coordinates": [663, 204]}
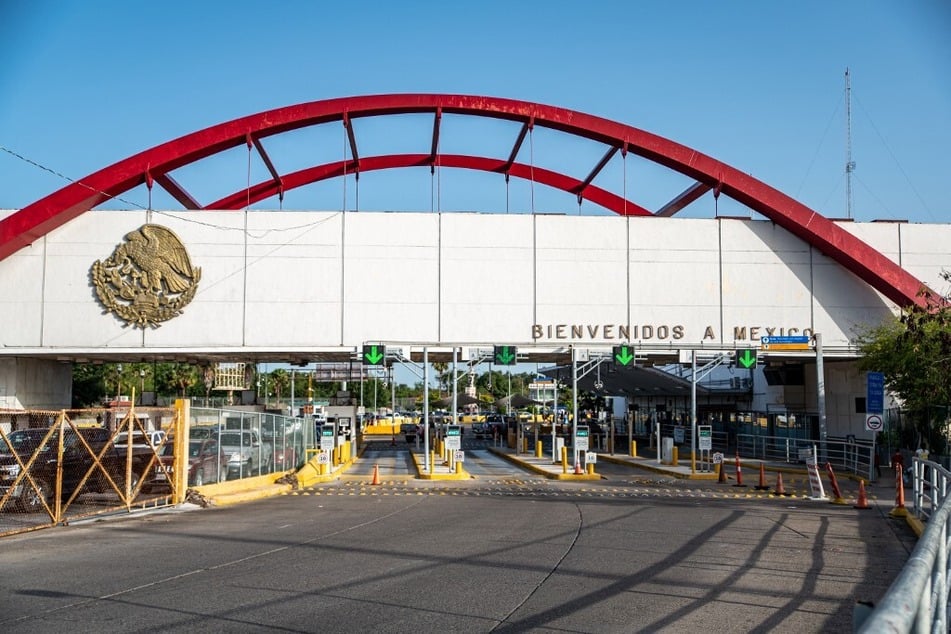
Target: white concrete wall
{"type": "Point", "coordinates": [317, 281]}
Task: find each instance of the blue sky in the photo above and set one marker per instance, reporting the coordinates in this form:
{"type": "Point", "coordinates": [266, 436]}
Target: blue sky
{"type": "Point", "coordinates": [758, 85]}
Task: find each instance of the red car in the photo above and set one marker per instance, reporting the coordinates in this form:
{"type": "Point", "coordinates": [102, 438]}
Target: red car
{"type": "Point", "coordinates": [207, 463]}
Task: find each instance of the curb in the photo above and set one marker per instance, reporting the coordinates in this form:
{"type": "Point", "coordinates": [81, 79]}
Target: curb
{"type": "Point", "coordinates": [462, 475]}
{"type": "Point", "coordinates": [548, 474]}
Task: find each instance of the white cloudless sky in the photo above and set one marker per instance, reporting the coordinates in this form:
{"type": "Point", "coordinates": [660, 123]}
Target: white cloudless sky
{"type": "Point", "coordinates": [758, 85]}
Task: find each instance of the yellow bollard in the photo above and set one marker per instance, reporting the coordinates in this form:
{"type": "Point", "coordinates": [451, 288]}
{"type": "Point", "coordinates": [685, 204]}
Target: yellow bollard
{"type": "Point", "coordinates": [432, 461]}
{"type": "Point", "coordinates": [675, 456]}
{"type": "Point", "coordinates": [538, 449]}
{"type": "Point", "coordinates": [564, 459]}
{"type": "Point", "coordinates": [634, 449]}
{"type": "Point", "coordinates": [590, 468]}
{"type": "Point", "coordinates": [693, 462]}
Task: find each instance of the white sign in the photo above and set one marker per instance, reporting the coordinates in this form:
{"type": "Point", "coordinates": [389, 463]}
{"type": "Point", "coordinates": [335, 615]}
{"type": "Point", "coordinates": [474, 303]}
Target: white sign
{"type": "Point", "coordinates": [323, 458]}
{"type": "Point", "coordinates": [459, 456]}
{"type": "Point", "coordinates": [718, 458]}
{"type": "Point", "coordinates": [590, 457]}
{"type": "Point", "coordinates": [874, 422]}
{"type": "Point", "coordinates": [705, 437]}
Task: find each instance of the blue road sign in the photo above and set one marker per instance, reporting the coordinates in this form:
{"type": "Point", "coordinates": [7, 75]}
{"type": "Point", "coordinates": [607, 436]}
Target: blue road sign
{"type": "Point", "coordinates": [768, 339]}
{"type": "Point", "coordinates": [874, 392]}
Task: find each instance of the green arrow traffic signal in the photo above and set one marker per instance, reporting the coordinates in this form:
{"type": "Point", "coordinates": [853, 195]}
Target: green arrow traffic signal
{"type": "Point", "coordinates": [505, 355]}
{"type": "Point", "coordinates": [374, 355]}
{"type": "Point", "coordinates": [624, 355]}
{"type": "Point", "coordinates": [747, 358]}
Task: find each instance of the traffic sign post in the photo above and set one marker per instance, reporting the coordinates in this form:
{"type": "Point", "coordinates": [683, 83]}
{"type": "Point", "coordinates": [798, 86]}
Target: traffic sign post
{"type": "Point", "coordinates": [874, 422]}
{"type": "Point", "coordinates": [453, 437]}
{"type": "Point", "coordinates": [327, 437]}
{"type": "Point", "coordinates": [623, 355]}
{"type": "Point", "coordinates": [373, 355]}
{"type": "Point", "coordinates": [746, 359]}
{"type": "Point", "coordinates": [874, 392]}
{"type": "Point", "coordinates": [705, 446]}
{"type": "Point", "coordinates": [772, 342]}
{"type": "Point", "coordinates": [504, 355]}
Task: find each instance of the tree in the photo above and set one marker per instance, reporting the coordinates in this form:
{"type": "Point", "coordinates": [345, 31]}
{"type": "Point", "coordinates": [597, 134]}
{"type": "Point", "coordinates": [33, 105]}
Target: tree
{"type": "Point", "coordinates": [913, 351]}
{"type": "Point", "coordinates": [280, 381]}
{"type": "Point", "coordinates": [89, 384]}
{"type": "Point", "coordinates": [181, 376]}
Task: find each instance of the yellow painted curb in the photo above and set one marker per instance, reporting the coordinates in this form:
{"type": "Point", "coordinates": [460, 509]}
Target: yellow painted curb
{"type": "Point", "coordinates": [462, 475]}
{"type": "Point", "coordinates": [580, 477]}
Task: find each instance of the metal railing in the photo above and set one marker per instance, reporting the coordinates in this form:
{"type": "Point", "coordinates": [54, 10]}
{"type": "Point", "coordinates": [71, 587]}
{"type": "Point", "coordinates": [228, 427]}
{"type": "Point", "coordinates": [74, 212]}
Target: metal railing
{"type": "Point", "coordinates": [917, 601]}
{"type": "Point", "coordinates": [852, 456]}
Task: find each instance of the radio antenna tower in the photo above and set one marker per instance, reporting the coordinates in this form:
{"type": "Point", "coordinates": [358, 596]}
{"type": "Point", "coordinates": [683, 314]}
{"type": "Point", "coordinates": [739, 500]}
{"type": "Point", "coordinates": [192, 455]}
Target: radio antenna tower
{"type": "Point", "coordinates": [849, 163]}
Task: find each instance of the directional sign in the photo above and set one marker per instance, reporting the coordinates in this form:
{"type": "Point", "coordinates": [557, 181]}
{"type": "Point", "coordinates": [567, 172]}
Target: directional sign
{"type": "Point", "coordinates": [373, 355]}
{"type": "Point", "coordinates": [453, 437]}
{"type": "Point", "coordinates": [581, 438]}
{"type": "Point", "coordinates": [504, 355]}
{"type": "Point", "coordinates": [746, 359]}
{"type": "Point", "coordinates": [772, 342]}
{"type": "Point", "coordinates": [874, 392]}
{"type": "Point", "coordinates": [705, 437]}
{"type": "Point", "coordinates": [623, 355]}
{"type": "Point", "coordinates": [327, 440]}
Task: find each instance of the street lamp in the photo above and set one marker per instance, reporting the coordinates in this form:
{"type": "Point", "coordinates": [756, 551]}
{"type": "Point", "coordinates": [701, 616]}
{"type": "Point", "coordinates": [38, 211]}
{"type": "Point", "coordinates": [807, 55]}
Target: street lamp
{"type": "Point", "coordinates": [142, 383]}
{"type": "Point", "coordinates": [118, 382]}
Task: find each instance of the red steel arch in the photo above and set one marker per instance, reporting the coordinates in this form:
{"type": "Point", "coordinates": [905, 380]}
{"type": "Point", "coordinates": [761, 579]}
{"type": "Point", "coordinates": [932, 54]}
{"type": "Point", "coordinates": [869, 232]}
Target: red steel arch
{"type": "Point", "coordinates": [156, 164]}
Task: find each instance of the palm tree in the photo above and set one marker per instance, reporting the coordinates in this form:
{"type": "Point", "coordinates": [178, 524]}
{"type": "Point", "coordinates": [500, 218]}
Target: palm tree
{"type": "Point", "coordinates": [442, 373]}
{"type": "Point", "coordinates": [281, 381]}
{"type": "Point", "coordinates": [183, 376]}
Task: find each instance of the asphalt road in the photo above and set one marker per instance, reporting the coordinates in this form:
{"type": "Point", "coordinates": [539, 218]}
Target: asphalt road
{"type": "Point", "coordinates": [506, 551]}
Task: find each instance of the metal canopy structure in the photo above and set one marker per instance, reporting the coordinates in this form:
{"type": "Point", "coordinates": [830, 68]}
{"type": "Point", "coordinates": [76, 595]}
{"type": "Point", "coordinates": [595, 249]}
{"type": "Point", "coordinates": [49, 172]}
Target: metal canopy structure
{"type": "Point", "coordinates": [157, 165]}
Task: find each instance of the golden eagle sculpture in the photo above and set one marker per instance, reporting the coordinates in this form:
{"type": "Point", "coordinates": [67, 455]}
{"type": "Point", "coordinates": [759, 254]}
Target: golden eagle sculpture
{"type": "Point", "coordinates": [148, 279]}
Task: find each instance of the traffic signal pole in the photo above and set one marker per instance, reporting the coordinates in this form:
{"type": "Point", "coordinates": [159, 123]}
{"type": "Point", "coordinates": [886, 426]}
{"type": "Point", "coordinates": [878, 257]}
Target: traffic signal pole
{"type": "Point", "coordinates": [426, 410]}
{"type": "Point", "coordinates": [693, 411]}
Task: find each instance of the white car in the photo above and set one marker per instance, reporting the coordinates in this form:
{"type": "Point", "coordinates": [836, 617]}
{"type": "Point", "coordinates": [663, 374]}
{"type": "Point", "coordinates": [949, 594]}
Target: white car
{"type": "Point", "coordinates": [141, 440]}
{"type": "Point", "coordinates": [247, 454]}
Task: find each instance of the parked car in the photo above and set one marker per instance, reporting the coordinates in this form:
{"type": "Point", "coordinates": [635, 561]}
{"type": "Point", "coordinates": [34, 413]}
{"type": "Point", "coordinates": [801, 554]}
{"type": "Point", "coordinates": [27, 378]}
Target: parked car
{"type": "Point", "coordinates": [77, 462]}
{"type": "Point", "coordinates": [481, 430]}
{"type": "Point", "coordinates": [247, 453]}
{"type": "Point", "coordinates": [140, 440]}
{"type": "Point", "coordinates": [286, 439]}
{"type": "Point", "coordinates": [207, 463]}
{"type": "Point", "coordinates": [409, 431]}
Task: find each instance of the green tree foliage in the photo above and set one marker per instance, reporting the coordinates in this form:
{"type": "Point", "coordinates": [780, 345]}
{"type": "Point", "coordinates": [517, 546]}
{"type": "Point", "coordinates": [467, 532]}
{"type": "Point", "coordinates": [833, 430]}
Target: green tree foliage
{"type": "Point", "coordinates": [913, 350]}
{"type": "Point", "coordinates": [280, 382]}
{"type": "Point", "coordinates": [89, 384]}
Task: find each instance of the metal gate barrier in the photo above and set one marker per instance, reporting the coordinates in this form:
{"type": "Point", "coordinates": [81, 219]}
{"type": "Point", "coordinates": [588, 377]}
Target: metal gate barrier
{"type": "Point", "coordinates": [61, 466]}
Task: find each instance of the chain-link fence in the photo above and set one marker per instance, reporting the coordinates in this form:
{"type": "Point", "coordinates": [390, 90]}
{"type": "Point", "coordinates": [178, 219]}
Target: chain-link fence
{"type": "Point", "coordinates": [59, 466]}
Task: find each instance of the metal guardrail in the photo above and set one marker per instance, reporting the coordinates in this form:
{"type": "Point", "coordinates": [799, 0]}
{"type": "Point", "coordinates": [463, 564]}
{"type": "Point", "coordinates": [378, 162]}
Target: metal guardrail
{"type": "Point", "coordinates": [917, 600]}
{"type": "Point", "coordinates": [852, 456]}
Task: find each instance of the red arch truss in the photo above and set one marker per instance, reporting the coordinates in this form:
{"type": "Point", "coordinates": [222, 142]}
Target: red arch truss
{"type": "Point", "coordinates": [156, 164]}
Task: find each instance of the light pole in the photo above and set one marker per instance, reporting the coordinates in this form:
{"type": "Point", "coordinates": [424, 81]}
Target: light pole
{"type": "Point", "coordinates": [142, 384]}
{"type": "Point", "coordinates": [118, 382]}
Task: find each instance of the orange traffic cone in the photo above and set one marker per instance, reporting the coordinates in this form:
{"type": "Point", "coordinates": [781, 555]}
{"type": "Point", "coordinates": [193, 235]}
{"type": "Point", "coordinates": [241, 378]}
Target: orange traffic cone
{"type": "Point", "coordinates": [578, 470]}
{"type": "Point", "coordinates": [899, 510]}
{"type": "Point", "coordinates": [780, 489]}
{"type": "Point", "coordinates": [762, 486]}
{"type": "Point", "coordinates": [739, 472]}
{"type": "Point", "coordinates": [862, 502]}
{"type": "Point", "coordinates": [376, 475]}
